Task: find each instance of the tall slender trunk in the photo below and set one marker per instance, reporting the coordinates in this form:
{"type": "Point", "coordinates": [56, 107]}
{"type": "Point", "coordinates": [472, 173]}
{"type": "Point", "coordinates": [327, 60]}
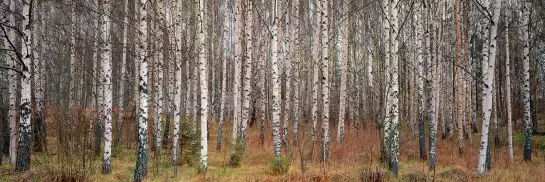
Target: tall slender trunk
{"type": "Point", "coordinates": [489, 81]}
{"type": "Point", "coordinates": [225, 45]}
{"type": "Point", "coordinates": [508, 89]}
{"type": "Point", "coordinates": [178, 78]}
{"type": "Point", "coordinates": [526, 79]}
{"type": "Point", "coordinates": [239, 27]}
{"type": "Point", "coordinates": [25, 127]}
{"type": "Point", "coordinates": [343, 39]}
{"type": "Point", "coordinates": [276, 87]}
{"type": "Point", "coordinates": [262, 74]}
{"type": "Point", "coordinates": [73, 25]}
{"type": "Point", "coordinates": [315, 57]}
{"type": "Point", "coordinates": [394, 125]}
{"type": "Point", "coordinates": [39, 80]}
{"type": "Point", "coordinates": [123, 75]}
{"type": "Point", "coordinates": [141, 170]}
{"type": "Point", "coordinates": [107, 84]}
{"type": "Point", "coordinates": [247, 74]}
{"type": "Point", "coordinates": [430, 83]}
{"type": "Point", "coordinates": [458, 79]}
{"type": "Point", "coordinates": [203, 79]}
{"type": "Point", "coordinates": [159, 78]}
{"type": "Point", "coordinates": [420, 79]}
{"type": "Point", "coordinates": [296, 64]}
{"type": "Point", "coordinates": [12, 81]}
{"type": "Point", "coordinates": [325, 81]}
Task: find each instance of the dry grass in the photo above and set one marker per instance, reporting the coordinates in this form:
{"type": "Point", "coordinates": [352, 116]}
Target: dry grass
{"type": "Point", "coordinates": [356, 157]}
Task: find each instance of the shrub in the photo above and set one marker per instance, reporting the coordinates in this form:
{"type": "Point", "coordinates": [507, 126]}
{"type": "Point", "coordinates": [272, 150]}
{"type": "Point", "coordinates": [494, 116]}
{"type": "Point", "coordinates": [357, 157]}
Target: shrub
{"type": "Point", "coordinates": [236, 158]}
{"type": "Point", "coordinates": [189, 143]}
{"type": "Point", "coordinates": [281, 167]}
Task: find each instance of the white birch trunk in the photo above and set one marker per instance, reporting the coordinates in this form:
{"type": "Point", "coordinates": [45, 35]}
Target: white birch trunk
{"type": "Point", "coordinates": [25, 127]}
{"type": "Point", "coordinates": [141, 171]}
{"type": "Point", "coordinates": [392, 129]}
{"type": "Point", "coordinates": [73, 25]}
{"type": "Point", "coordinates": [107, 84]}
{"type": "Point", "coordinates": [178, 78]}
{"type": "Point", "coordinates": [296, 87]}
{"type": "Point", "coordinates": [343, 55]}
{"type": "Point", "coordinates": [247, 74]}
{"type": "Point", "coordinates": [276, 87]}
{"type": "Point", "coordinates": [203, 79]}
{"type": "Point", "coordinates": [238, 69]}
{"type": "Point", "coordinates": [159, 79]}
{"type": "Point", "coordinates": [12, 80]}
{"type": "Point", "coordinates": [508, 89]}
{"type": "Point", "coordinates": [315, 57]}
{"type": "Point", "coordinates": [489, 81]}
{"type": "Point", "coordinates": [325, 81]}
{"type": "Point", "coordinates": [526, 79]}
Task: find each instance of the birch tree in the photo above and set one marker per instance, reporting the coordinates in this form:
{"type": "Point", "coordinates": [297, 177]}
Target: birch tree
{"type": "Point", "coordinates": [107, 84]}
{"type": "Point", "coordinates": [458, 79]}
{"type": "Point", "coordinates": [247, 74]}
{"type": "Point", "coordinates": [39, 79]}
{"type": "Point", "coordinates": [394, 125]}
{"type": "Point", "coordinates": [12, 81]}
{"type": "Point", "coordinates": [238, 69]}
{"type": "Point", "coordinates": [178, 84]}
{"type": "Point", "coordinates": [315, 57]}
{"type": "Point", "coordinates": [203, 79]}
{"type": "Point", "coordinates": [343, 52]}
{"type": "Point", "coordinates": [489, 81]}
{"type": "Point", "coordinates": [526, 79]}
{"type": "Point", "coordinates": [508, 86]}
{"type": "Point", "coordinates": [25, 127]}
{"type": "Point", "coordinates": [276, 87]}
{"type": "Point", "coordinates": [225, 36]}
{"type": "Point", "coordinates": [159, 78]}
{"type": "Point", "coordinates": [141, 170]}
{"type": "Point", "coordinates": [420, 79]}
{"type": "Point", "coordinates": [325, 81]}
{"type": "Point", "coordinates": [296, 83]}
{"type": "Point", "coordinates": [123, 73]}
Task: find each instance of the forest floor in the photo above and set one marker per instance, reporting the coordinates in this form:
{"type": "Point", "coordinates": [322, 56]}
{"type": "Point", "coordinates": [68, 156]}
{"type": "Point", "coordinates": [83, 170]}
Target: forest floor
{"type": "Point", "coordinates": [357, 159]}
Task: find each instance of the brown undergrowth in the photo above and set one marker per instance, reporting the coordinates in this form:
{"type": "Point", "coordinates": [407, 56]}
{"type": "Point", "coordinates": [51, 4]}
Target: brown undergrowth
{"type": "Point", "coordinates": [356, 159]}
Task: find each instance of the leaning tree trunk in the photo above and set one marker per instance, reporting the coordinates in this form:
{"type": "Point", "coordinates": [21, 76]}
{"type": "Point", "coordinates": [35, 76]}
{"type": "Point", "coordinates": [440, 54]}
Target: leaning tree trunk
{"type": "Point", "coordinates": [141, 170]}
{"type": "Point", "coordinates": [489, 81]}
{"type": "Point", "coordinates": [107, 84]}
{"type": "Point", "coordinates": [25, 128]}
